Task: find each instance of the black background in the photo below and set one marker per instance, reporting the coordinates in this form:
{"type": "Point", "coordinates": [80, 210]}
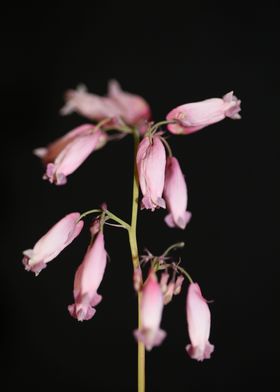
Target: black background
{"type": "Point", "coordinates": [171, 55]}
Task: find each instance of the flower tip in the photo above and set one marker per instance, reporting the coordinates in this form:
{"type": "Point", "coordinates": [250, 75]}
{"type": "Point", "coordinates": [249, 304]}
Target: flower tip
{"type": "Point", "coordinates": [161, 202]}
{"type": "Point", "coordinates": [199, 353]}
{"type": "Point", "coordinates": [40, 152]}
{"type": "Point", "coordinates": [150, 338]}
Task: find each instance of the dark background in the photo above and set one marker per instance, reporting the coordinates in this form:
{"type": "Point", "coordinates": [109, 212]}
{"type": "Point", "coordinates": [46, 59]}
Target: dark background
{"type": "Point", "coordinates": [170, 55]}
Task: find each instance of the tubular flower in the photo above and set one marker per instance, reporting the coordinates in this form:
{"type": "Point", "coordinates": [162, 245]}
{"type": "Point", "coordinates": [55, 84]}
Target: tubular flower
{"type": "Point", "coordinates": [194, 116]}
{"type": "Point", "coordinates": [89, 105]}
{"type": "Point", "coordinates": [199, 320]}
{"type": "Point", "coordinates": [71, 157]}
{"type": "Point", "coordinates": [52, 243]}
{"type": "Point", "coordinates": [151, 161]}
{"type": "Point", "coordinates": [87, 280]}
{"type": "Point", "coordinates": [151, 312]}
{"type": "Point", "coordinates": [49, 153]}
{"type": "Point", "coordinates": [133, 109]}
{"type": "Point", "coordinates": [175, 194]}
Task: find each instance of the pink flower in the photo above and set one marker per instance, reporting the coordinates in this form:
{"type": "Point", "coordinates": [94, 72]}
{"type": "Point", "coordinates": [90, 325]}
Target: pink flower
{"type": "Point", "coordinates": [49, 153]}
{"type": "Point", "coordinates": [151, 162]}
{"type": "Point", "coordinates": [199, 320]}
{"type": "Point", "coordinates": [194, 116]}
{"type": "Point", "coordinates": [178, 284]}
{"type": "Point", "coordinates": [133, 109]}
{"type": "Point", "coordinates": [175, 194]}
{"type": "Point", "coordinates": [52, 243]}
{"type": "Point", "coordinates": [89, 105]}
{"type": "Point", "coordinates": [151, 312]}
{"type": "Point", "coordinates": [71, 157]}
{"type": "Point", "coordinates": [87, 280]}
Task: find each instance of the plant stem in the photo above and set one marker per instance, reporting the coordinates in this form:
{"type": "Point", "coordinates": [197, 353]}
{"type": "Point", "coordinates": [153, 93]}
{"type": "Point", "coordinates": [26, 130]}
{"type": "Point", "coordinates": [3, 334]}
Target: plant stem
{"type": "Point", "coordinates": [135, 261]}
{"type": "Point", "coordinates": [117, 219]}
{"type": "Point", "coordinates": [89, 212]}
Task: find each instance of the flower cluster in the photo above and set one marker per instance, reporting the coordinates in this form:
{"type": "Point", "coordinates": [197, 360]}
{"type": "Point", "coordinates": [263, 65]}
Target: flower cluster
{"type": "Point", "coordinates": [162, 184]}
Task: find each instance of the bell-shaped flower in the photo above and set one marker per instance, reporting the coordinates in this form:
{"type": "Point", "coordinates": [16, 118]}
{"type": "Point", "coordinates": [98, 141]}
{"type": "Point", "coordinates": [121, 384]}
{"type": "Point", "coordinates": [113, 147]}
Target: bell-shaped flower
{"type": "Point", "coordinates": [52, 243]}
{"type": "Point", "coordinates": [151, 160]}
{"type": "Point", "coordinates": [87, 280]}
{"type": "Point", "coordinates": [194, 116]}
{"type": "Point", "coordinates": [89, 105]}
{"type": "Point", "coordinates": [49, 153]}
{"type": "Point", "coordinates": [151, 312]}
{"type": "Point", "coordinates": [175, 195]}
{"type": "Point", "coordinates": [134, 108]}
{"type": "Point", "coordinates": [199, 320]}
{"type": "Point", "coordinates": [71, 157]}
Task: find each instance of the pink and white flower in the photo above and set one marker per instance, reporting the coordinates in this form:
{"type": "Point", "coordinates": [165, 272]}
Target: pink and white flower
{"type": "Point", "coordinates": [71, 157]}
{"type": "Point", "coordinates": [175, 195]}
{"type": "Point", "coordinates": [151, 312]}
{"type": "Point", "coordinates": [151, 160]}
{"type": "Point", "coordinates": [199, 321]}
{"type": "Point", "coordinates": [52, 243]}
{"type": "Point", "coordinates": [132, 108]}
{"type": "Point", "coordinates": [49, 153]}
{"type": "Point", "coordinates": [89, 105]}
{"type": "Point", "coordinates": [87, 280]}
{"type": "Point", "coordinates": [194, 116]}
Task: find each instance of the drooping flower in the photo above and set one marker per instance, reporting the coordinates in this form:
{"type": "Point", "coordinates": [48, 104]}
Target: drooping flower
{"type": "Point", "coordinates": [89, 105]}
{"type": "Point", "coordinates": [194, 116]}
{"type": "Point", "coordinates": [175, 195]}
{"type": "Point", "coordinates": [71, 157]}
{"type": "Point", "coordinates": [49, 153]}
{"type": "Point", "coordinates": [52, 243]}
{"type": "Point", "coordinates": [151, 312]}
{"type": "Point", "coordinates": [151, 161]}
{"type": "Point", "coordinates": [133, 109]}
{"type": "Point", "coordinates": [87, 280]}
{"type": "Point", "coordinates": [199, 321]}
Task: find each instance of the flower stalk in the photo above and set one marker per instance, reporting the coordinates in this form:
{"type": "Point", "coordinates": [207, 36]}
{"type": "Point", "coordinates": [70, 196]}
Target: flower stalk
{"type": "Point", "coordinates": [132, 235]}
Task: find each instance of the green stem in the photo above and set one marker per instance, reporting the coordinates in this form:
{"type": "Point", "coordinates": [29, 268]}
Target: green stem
{"type": "Point", "coordinates": [117, 219]}
{"type": "Point", "coordinates": [135, 261]}
{"type": "Point", "coordinates": [159, 124]}
{"type": "Point", "coordinates": [89, 212]}
{"type": "Point", "coordinates": [184, 272]}
{"type": "Point", "coordinates": [167, 146]}
{"type": "Point", "coordinates": [174, 246]}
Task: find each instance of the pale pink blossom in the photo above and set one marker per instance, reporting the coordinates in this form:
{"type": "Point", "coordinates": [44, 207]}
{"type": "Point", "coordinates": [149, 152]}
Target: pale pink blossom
{"type": "Point", "coordinates": [199, 320]}
{"type": "Point", "coordinates": [52, 243]}
{"type": "Point", "coordinates": [168, 294]}
{"type": "Point", "coordinates": [151, 160]}
{"type": "Point", "coordinates": [49, 153]}
{"type": "Point", "coordinates": [194, 116]}
{"type": "Point", "coordinates": [87, 280]}
{"type": "Point", "coordinates": [151, 312]}
{"type": "Point", "coordinates": [178, 284]}
{"type": "Point", "coordinates": [71, 157]}
{"type": "Point", "coordinates": [133, 109]}
{"type": "Point", "coordinates": [89, 105]}
{"type": "Point", "coordinates": [175, 195]}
